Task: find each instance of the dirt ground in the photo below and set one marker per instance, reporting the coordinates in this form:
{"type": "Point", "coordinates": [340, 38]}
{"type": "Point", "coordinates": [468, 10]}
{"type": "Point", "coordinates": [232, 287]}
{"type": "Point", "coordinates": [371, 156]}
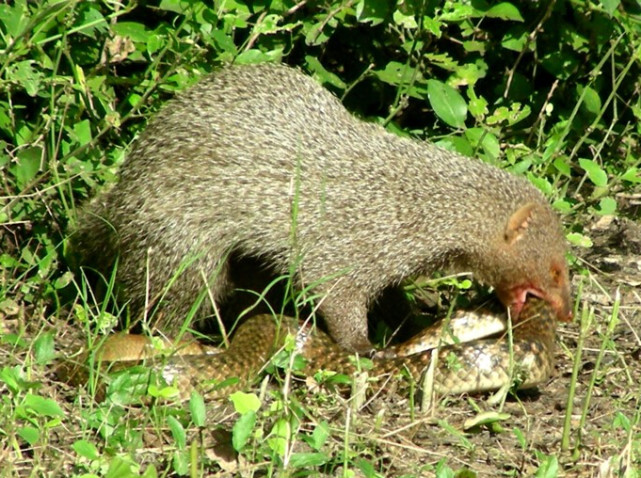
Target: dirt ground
{"type": "Point", "coordinates": [400, 442]}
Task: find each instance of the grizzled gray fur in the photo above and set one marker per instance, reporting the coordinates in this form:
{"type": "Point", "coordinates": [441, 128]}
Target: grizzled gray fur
{"type": "Point", "coordinates": [262, 161]}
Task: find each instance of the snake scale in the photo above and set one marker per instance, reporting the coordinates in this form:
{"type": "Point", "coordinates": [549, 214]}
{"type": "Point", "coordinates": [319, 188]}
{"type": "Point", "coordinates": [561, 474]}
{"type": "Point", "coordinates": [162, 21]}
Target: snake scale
{"type": "Point", "coordinates": [476, 366]}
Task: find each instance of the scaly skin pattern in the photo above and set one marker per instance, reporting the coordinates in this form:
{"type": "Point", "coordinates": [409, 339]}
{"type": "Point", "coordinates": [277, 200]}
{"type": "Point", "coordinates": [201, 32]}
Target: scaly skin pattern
{"type": "Point", "coordinates": [476, 366]}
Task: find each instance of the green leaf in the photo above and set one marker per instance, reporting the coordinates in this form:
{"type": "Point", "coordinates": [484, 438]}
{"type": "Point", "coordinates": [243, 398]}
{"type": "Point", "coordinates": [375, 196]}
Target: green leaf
{"type": "Point", "coordinates": [562, 206]}
{"type": "Point", "coordinates": [15, 18]}
{"type": "Point", "coordinates": [458, 11]}
{"type": "Point", "coordinates": [44, 349]}
{"type": "Point", "coordinates": [245, 402]}
{"type": "Point", "coordinates": [485, 418]}
{"type": "Point", "coordinates": [621, 421]}
{"type": "Point", "coordinates": [520, 437]}
{"type": "Point", "coordinates": [129, 385]}
{"type": "Point", "coordinates": [164, 392]}
{"type": "Point", "coordinates": [177, 431]}
{"type": "Point", "coordinates": [447, 103]}
{"type": "Point", "coordinates": [319, 436]}
{"type": "Point", "coordinates": [28, 166]}
{"type": "Point", "coordinates": [632, 175]}
{"type": "Point", "coordinates": [268, 24]}
{"type": "Point", "coordinates": [580, 240]}
{"type": "Point", "coordinates": [90, 21]}
{"type": "Point", "coordinates": [477, 105]}
{"type": "Point", "coordinates": [515, 39]}
{"type": "Point", "coordinates": [468, 74]}
{"type": "Point", "coordinates": [595, 174]}
{"type": "Point", "coordinates": [224, 42]}
{"type": "Point", "coordinates": [395, 74]}
{"type": "Point", "coordinates": [43, 406]}
{"type": "Point", "coordinates": [197, 409]}
{"type": "Point", "coordinates": [512, 115]}
{"type": "Point", "coordinates": [505, 11]}
{"type": "Point", "coordinates": [366, 468]}
{"type": "Point", "coordinates": [82, 132]}
{"type": "Point", "coordinates": [28, 76]}
{"type": "Point", "coordinates": [458, 144]}
{"type": "Point", "coordinates": [279, 436]}
{"type": "Point", "coordinates": [325, 77]}
{"type": "Point", "coordinates": [486, 140]}
{"type": "Point", "coordinates": [242, 430]}
{"type": "Point", "coordinates": [562, 165]}
{"type": "Point", "coordinates": [549, 467]}
{"type": "Point", "coordinates": [317, 33]}
{"type": "Point", "coordinates": [181, 462]}
{"type": "Point", "coordinates": [591, 99]}
{"type": "Point", "coordinates": [119, 468]}
{"type": "Point", "coordinates": [607, 206]}
{"type": "Point", "coordinates": [373, 12]}
{"type": "Point", "coordinates": [29, 434]}
{"type": "Point", "coordinates": [11, 377]}
{"type": "Point", "coordinates": [257, 56]}
{"type": "Point", "coordinates": [136, 31]}
{"type": "Point", "coordinates": [150, 472]}
{"type": "Point", "coordinates": [86, 449]}
{"type": "Point", "coordinates": [312, 460]}
{"type": "Point", "coordinates": [405, 21]}
{"type": "Point", "coordinates": [474, 46]}
{"type": "Point", "coordinates": [176, 6]}
{"type": "Point", "coordinates": [433, 26]}
{"type": "Point", "coordinates": [610, 6]}
{"type": "Point", "coordinates": [63, 281]}
{"type": "Point", "coordinates": [542, 183]}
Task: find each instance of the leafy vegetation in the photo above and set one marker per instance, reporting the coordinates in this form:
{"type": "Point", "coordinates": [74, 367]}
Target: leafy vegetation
{"type": "Point", "coordinates": [549, 90]}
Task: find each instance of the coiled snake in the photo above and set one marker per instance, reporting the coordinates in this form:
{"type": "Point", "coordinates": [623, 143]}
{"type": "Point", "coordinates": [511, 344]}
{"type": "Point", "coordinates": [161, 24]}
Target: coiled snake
{"type": "Point", "coordinates": [460, 366]}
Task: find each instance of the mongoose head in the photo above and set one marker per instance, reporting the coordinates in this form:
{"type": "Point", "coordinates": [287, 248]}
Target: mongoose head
{"type": "Point", "coordinates": [532, 261]}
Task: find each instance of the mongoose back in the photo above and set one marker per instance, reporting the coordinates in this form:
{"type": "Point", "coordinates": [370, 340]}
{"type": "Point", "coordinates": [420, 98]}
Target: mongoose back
{"type": "Point", "coordinates": [261, 161]}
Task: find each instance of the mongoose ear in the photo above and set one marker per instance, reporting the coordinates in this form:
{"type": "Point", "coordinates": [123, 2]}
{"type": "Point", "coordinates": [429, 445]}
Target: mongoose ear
{"type": "Point", "coordinates": [519, 222]}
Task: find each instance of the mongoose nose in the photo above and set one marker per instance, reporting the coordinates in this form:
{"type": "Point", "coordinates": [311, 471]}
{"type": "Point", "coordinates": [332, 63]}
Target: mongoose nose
{"type": "Point", "coordinates": [562, 305]}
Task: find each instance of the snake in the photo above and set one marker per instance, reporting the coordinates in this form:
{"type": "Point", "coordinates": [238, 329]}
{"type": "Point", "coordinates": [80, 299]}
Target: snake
{"type": "Point", "coordinates": [458, 362]}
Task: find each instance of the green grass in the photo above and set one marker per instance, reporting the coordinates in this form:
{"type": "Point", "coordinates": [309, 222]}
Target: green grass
{"type": "Point", "coordinates": [546, 90]}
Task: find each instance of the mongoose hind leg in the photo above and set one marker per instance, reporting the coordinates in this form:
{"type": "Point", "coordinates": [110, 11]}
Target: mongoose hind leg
{"type": "Point", "coordinates": [170, 299]}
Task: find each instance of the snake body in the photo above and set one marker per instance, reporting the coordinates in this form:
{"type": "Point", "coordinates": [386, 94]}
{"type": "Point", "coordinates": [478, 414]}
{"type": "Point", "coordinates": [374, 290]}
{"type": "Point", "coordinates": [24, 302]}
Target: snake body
{"type": "Point", "coordinates": [459, 367]}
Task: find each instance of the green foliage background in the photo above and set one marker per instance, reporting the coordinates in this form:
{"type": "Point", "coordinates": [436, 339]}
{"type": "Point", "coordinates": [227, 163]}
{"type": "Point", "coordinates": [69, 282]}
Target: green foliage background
{"type": "Point", "coordinates": [547, 89]}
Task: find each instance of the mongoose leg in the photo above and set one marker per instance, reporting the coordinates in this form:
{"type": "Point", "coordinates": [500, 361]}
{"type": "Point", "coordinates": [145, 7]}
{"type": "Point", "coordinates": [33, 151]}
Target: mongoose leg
{"type": "Point", "coordinates": [172, 304]}
{"type": "Point", "coordinates": [345, 313]}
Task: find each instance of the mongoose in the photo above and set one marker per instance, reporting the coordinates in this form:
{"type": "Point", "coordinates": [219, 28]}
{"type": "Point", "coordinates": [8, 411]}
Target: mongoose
{"type": "Point", "coordinates": [262, 161]}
